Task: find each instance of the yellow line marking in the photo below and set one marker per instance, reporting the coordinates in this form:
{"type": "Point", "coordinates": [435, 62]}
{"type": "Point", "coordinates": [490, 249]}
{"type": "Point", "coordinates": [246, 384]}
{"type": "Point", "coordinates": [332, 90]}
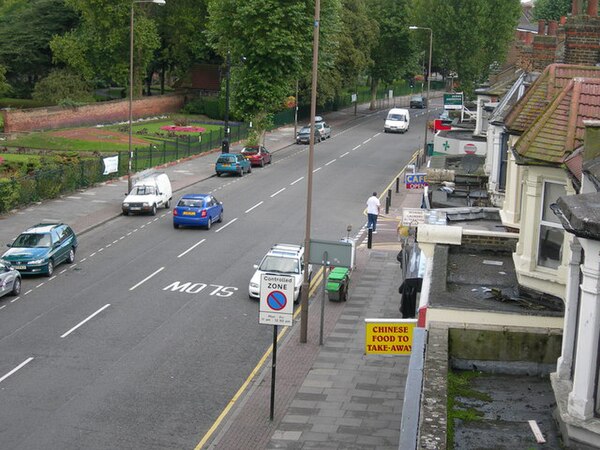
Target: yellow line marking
{"type": "Point", "coordinates": [313, 286]}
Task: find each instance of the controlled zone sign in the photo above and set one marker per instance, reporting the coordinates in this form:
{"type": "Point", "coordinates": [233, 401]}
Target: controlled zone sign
{"type": "Point", "coordinates": [453, 100]}
{"type": "Point", "coordinates": [389, 336]}
{"type": "Point", "coordinates": [415, 180]}
{"type": "Point", "coordinates": [276, 300]}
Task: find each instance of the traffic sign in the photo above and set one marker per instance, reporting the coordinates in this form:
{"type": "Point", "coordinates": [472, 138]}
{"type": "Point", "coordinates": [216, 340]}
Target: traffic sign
{"type": "Point", "coordinates": [276, 300]}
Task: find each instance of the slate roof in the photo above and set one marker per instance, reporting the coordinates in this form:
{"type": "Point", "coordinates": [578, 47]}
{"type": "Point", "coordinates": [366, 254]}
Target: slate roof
{"type": "Point", "coordinates": [542, 92]}
{"type": "Point", "coordinates": [511, 97]}
{"type": "Point", "coordinates": [559, 130]}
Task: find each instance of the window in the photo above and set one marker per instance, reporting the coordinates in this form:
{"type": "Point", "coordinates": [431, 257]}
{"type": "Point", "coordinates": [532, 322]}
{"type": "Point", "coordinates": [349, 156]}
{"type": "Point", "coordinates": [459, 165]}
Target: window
{"type": "Point", "coordinates": [503, 162]}
{"type": "Point", "coordinates": [551, 232]}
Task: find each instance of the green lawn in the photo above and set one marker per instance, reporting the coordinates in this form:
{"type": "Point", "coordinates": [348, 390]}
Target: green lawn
{"type": "Point", "coordinates": [17, 158]}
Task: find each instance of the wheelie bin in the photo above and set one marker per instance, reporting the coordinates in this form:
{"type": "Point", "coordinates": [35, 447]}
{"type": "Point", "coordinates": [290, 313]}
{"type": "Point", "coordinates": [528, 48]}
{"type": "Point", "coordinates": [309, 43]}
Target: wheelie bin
{"type": "Point", "coordinates": [337, 284]}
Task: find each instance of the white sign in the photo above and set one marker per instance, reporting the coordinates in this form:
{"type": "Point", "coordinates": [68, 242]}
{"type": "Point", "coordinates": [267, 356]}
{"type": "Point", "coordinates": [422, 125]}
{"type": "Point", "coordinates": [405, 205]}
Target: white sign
{"type": "Point", "coordinates": [111, 164]}
{"type": "Point", "coordinates": [390, 93]}
{"type": "Point", "coordinates": [353, 98]}
{"type": "Point", "coordinates": [412, 216]}
{"type": "Point", "coordinates": [276, 300]}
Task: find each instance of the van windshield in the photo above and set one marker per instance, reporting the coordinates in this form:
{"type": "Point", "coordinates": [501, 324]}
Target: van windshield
{"type": "Point", "coordinates": [144, 190]}
{"type": "Point", "coordinates": [398, 117]}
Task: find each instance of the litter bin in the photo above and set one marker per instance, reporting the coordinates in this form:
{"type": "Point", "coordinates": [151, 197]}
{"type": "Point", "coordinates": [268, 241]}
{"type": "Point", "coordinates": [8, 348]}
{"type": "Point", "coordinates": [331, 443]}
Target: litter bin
{"type": "Point", "coordinates": [337, 284]}
{"type": "Point", "coordinates": [429, 148]}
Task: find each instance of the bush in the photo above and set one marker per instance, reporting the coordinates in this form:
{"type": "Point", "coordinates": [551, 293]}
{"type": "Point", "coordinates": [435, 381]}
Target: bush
{"type": "Point", "coordinates": [212, 108]}
{"type": "Point", "coordinates": [195, 106]}
{"type": "Point", "coordinates": [63, 86]}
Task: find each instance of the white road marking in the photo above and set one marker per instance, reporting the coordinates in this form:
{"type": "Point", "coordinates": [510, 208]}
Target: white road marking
{"type": "Point", "coordinates": [294, 182]}
{"type": "Point", "coordinates": [191, 248]}
{"type": "Point", "coordinates": [356, 147]}
{"type": "Point", "coordinates": [129, 233]}
{"type": "Point", "coordinates": [366, 141]}
{"type": "Point", "coordinates": [226, 225]}
{"type": "Point", "coordinates": [143, 225]}
{"type": "Point", "coordinates": [278, 192]}
{"type": "Point", "coordinates": [85, 320]}
{"type": "Point", "coordinates": [39, 285]}
{"type": "Point", "coordinates": [82, 260]}
{"type": "Point", "coordinates": [28, 292]}
{"type": "Point", "coordinates": [100, 249]}
{"type": "Point", "coordinates": [122, 237]}
{"type": "Point", "coordinates": [99, 201]}
{"type": "Point", "coordinates": [331, 162]}
{"type": "Point", "coordinates": [27, 361]}
{"type": "Point", "coordinates": [255, 206]}
{"type": "Point", "coordinates": [376, 135]}
{"type": "Point", "coordinates": [317, 169]}
{"type": "Point", "coordinates": [115, 241]}
{"type": "Point", "coordinates": [15, 299]}
{"type": "Point", "coordinates": [92, 254]}
{"type": "Point", "coordinates": [341, 156]}
{"type": "Point", "coordinates": [54, 276]}
{"type": "Point", "coordinates": [146, 279]}
{"type": "Point", "coordinates": [3, 306]}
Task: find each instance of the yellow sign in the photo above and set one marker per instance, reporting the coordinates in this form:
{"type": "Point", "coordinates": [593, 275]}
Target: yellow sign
{"type": "Point", "coordinates": [389, 336]}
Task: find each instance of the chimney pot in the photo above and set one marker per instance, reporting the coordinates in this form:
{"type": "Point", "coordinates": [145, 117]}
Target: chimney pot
{"type": "Point", "coordinates": [552, 27]}
{"type": "Point", "coordinates": [575, 8]}
{"type": "Point", "coordinates": [541, 27]}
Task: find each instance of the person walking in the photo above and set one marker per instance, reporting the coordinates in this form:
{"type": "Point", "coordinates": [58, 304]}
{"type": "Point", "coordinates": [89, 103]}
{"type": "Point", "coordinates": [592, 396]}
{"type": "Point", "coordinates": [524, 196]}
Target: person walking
{"type": "Point", "coordinates": [373, 206]}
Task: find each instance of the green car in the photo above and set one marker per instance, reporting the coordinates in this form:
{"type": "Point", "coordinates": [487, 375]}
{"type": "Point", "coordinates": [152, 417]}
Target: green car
{"type": "Point", "coordinates": [39, 249]}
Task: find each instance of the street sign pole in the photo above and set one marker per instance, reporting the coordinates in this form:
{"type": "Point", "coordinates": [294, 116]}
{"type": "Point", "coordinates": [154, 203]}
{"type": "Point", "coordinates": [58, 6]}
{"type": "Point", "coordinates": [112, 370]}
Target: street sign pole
{"type": "Point", "coordinates": [324, 261]}
{"type": "Point", "coordinates": [273, 370]}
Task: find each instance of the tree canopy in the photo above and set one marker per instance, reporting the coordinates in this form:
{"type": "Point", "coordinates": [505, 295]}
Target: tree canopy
{"type": "Point", "coordinates": [551, 9]}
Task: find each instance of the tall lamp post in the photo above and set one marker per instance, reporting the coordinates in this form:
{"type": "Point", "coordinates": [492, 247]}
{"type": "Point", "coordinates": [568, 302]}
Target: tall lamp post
{"type": "Point", "coordinates": [225, 143]}
{"type": "Point", "coordinates": [159, 2]}
{"type": "Point", "coordinates": [428, 81]}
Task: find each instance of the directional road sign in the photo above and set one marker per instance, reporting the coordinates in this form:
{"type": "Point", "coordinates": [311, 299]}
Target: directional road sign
{"type": "Point", "coordinates": [276, 300]}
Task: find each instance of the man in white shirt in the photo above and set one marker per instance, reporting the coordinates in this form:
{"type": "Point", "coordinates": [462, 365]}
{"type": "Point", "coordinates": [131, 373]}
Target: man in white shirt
{"type": "Point", "coordinates": [373, 206]}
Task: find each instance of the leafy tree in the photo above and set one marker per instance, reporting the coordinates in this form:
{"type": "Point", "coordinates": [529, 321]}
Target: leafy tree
{"type": "Point", "coordinates": [392, 51]}
{"type": "Point", "coordinates": [26, 28]}
{"type": "Point", "coordinates": [4, 86]}
{"type": "Point", "coordinates": [99, 47]}
{"type": "Point", "coordinates": [551, 9]}
{"type": "Point", "coordinates": [468, 50]}
{"type": "Point", "coordinates": [63, 86]}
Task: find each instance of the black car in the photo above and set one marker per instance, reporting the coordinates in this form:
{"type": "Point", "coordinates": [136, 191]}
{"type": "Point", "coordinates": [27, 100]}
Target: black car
{"type": "Point", "coordinates": [418, 101]}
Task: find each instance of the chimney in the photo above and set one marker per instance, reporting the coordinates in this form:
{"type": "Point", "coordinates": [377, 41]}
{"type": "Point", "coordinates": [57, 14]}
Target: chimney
{"type": "Point", "coordinates": [563, 20]}
{"type": "Point", "coordinates": [575, 8]}
{"type": "Point", "coordinates": [529, 38]}
{"type": "Point", "coordinates": [541, 27]}
{"type": "Point", "coordinates": [552, 27]}
{"type": "Point", "coordinates": [592, 9]}
{"type": "Point", "coordinates": [591, 140]}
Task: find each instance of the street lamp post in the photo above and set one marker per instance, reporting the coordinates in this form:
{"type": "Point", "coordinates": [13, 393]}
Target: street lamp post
{"type": "Point", "coordinates": [428, 81]}
{"type": "Point", "coordinates": [158, 2]}
{"type": "Point", "coordinates": [225, 143]}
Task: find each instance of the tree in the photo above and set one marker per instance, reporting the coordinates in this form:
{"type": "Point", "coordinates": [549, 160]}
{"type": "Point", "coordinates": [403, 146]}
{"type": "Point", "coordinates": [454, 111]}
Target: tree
{"type": "Point", "coordinates": [63, 87]}
{"type": "Point", "coordinates": [4, 86]}
{"type": "Point", "coordinates": [99, 47]}
{"type": "Point", "coordinates": [468, 37]}
{"type": "Point", "coordinates": [551, 9]}
{"type": "Point", "coordinates": [26, 28]}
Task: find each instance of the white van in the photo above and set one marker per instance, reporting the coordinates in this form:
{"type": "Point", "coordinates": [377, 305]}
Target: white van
{"type": "Point", "coordinates": [397, 120]}
{"type": "Point", "coordinates": [149, 194]}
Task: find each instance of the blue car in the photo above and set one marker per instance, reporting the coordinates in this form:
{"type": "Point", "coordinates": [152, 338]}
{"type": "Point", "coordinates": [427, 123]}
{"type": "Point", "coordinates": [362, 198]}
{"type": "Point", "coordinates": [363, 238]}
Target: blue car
{"type": "Point", "coordinates": [197, 210]}
{"type": "Point", "coordinates": [39, 249]}
{"type": "Point", "coordinates": [232, 163]}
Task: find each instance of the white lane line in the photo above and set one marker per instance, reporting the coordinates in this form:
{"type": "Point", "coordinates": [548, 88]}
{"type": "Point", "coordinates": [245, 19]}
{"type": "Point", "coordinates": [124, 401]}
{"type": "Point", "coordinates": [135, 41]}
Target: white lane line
{"type": "Point", "coordinates": [82, 260]}
{"type": "Point", "coordinates": [341, 156]}
{"type": "Point", "coordinates": [227, 224]}
{"type": "Point", "coordinates": [146, 279]}
{"type": "Point", "coordinates": [366, 141]}
{"type": "Point", "coordinates": [255, 206]}
{"type": "Point", "coordinates": [191, 248]}
{"type": "Point", "coordinates": [331, 162]}
{"type": "Point", "coordinates": [27, 361]}
{"type": "Point", "coordinates": [128, 234]}
{"type": "Point", "coordinates": [85, 320]}
{"type": "Point", "coordinates": [278, 192]}
{"type": "Point", "coordinates": [122, 237]}
{"type": "Point", "coordinates": [355, 147]}
{"type": "Point", "coordinates": [143, 226]}
{"type": "Point", "coordinates": [39, 285]}
{"type": "Point", "coordinates": [108, 245]}
{"type": "Point", "coordinates": [100, 249]}
{"type": "Point", "coordinates": [3, 306]}
{"type": "Point", "coordinates": [15, 299]}
{"type": "Point", "coordinates": [63, 271]}
{"type": "Point", "coordinates": [317, 169]}
{"type": "Point", "coordinates": [28, 292]}
{"type": "Point", "coordinates": [92, 254]}
{"type": "Point", "coordinates": [377, 134]}
{"type": "Point", "coordinates": [115, 241]}
{"type": "Point", "coordinates": [54, 276]}
{"type": "Point", "coordinates": [294, 182]}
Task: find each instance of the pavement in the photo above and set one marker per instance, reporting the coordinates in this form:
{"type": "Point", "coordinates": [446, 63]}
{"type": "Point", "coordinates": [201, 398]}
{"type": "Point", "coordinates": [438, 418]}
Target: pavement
{"type": "Point", "coordinates": [329, 396]}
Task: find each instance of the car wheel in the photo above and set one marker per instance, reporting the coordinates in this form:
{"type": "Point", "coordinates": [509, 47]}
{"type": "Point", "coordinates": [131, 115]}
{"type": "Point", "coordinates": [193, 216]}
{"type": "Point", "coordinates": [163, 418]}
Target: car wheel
{"type": "Point", "coordinates": [270, 160]}
{"type": "Point", "coordinates": [125, 212]}
{"type": "Point", "coordinates": [16, 290]}
{"type": "Point", "coordinates": [262, 163]}
{"type": "Point", "coordinates": [297, 300]}
{"type": "Point", "coordinates": [168, 204]}
{"type": "Point", "coordinates": [153, 211]}
{"type": "Point", "coordinates": [249, 169]}
{"type": "Point", "coordinates": [241, 172]}
{"type": "Point", "coordinates": [220, 219]}
{"type": "Point", "coordinates": [50, 268]}
{"type": "Point", "coordinates": [175, 225]}
{"type": "Point", "coordinates": [218, 174]}
{"type": "Point", "coordinates": [208, 223]}
{"type": "Point", "coordinates": [71, 257]}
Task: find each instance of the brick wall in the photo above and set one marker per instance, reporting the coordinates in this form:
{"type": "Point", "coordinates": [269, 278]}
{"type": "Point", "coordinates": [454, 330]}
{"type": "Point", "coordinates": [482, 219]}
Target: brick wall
{"type": "Point", "coordinates": [582, 40]}
{"type": "Point", "coordinates": [475, 241]}
{"type": "Point", "coordinates": [103, 112]}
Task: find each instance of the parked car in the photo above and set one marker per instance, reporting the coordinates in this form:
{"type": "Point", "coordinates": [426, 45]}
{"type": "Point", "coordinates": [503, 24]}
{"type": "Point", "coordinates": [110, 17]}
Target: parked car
{"type": "Point", "coordinates": [418, 101]}
{"type": "Point", "coordinates": [324, 129]}
{"type": "Point", "coordinates": [39, 249]}
{"type": "Point", "coordinates": [148, 194]}
{"type": "Point", "coordinates": [197, 210]}
{"type": "Point", "coordinates": [257, 155]}
{"type": "Point", "coordinates": [286, 259]}
{"type": "Point", "coordinates": [10, 279]}
{"type": "Point", "coordinates": [303, 136]}
{"type": "Point", "coordinates": [234, 163]}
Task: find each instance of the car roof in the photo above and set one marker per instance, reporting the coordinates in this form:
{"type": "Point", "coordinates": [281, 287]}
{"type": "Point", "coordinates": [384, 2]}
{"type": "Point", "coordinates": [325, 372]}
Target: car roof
{"type": "Point", "coordinates": [228, 154]}
{"type": "Point", "coordinates": [195, 196]}
{"type": "Point", "coordinates": [42, 228]}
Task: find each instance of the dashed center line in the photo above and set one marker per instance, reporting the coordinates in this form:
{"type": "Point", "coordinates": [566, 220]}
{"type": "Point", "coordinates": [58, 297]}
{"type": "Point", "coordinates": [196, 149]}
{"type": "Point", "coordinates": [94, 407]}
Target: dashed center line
{"type": "Point", "coordinates": [85, 320]}
{"type": "Point", "coordinates": [27, 361]}
{"type": "Point", "coordinates": [226, 225]}
{"type": "Point", "coordinates": [191, 248]}
{"type": "Point", "coordinates": [331, 162]}
{"type": "Point", "coordinates": [344, 154]}
{"type": "Point", "coordinates": [146, 279]}
{"type": "Point", "coordinates": [317, 169]}
{"type": "Point", "coordinates": [255, 206]}
{"type": "Point", "coordinates": [278, 192]}
{"type": "Point", "coordinates": [367, 141]}
{"type": "Point", "coordinates": [355, 147]}
{"type": "Point", "coordinates": [294, 182]}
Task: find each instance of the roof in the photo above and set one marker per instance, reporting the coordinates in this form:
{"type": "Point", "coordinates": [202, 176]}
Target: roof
{"type": "Point", "coordinates": [542, 92]}
{"type": "Point", "coordinates": [196, 196]}
{"type": "Point", "coordinates": [511, 97]}
{"type": "Point", "coordinates": [559, 130]}
{"type": "Point", "coordinates": [580, 214]}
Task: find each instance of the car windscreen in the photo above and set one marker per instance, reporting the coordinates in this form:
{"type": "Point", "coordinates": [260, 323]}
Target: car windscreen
{"type": "Point", "coordinates": [191, 203]}
{"type": "Point", "coordinates": [279, 265]}
{"type": "Point", "coordinates": [305, 130]}
{"type": "Point", "coordinates": [400, 117]}
{"type": "Point", "coordinates": [417, 99]}
{"type": "Point", "coordinates": [31, 240]}
{"type": "Point", "coordinates": [226, 159]}
{"type": "Point", "coordinates": [144, 190]}
{"type": "Point", "coordinates": [250, 151]}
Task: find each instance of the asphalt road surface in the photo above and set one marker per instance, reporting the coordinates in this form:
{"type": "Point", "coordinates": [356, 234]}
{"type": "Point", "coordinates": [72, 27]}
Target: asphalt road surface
{"type": "Point", "coordinates": [144, 341]}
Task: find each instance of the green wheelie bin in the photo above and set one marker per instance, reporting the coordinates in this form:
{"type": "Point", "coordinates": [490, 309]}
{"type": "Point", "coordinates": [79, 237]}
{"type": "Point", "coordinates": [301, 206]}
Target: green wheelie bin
{"type": "Point", "coordinates": [337, 284]}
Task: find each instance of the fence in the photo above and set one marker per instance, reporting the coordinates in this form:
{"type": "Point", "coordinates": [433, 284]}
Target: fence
{"type": "Point", "coordinates": [44, 184]}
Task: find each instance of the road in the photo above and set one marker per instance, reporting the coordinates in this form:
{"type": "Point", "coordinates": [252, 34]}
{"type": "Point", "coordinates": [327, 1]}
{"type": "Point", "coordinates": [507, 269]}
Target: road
{"type": "Point", "coordinates": [144, 341]}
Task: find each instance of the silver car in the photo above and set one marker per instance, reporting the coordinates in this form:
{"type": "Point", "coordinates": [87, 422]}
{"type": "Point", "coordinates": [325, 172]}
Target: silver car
{"type": "Point", "coordinates": [324, 129]}
{"type": "Point", "coordinates": [10, 279]}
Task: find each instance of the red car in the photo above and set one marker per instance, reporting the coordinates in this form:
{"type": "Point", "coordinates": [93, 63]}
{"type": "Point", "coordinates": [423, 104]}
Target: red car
{"type": "Point", "coordinates": [257, 155]}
